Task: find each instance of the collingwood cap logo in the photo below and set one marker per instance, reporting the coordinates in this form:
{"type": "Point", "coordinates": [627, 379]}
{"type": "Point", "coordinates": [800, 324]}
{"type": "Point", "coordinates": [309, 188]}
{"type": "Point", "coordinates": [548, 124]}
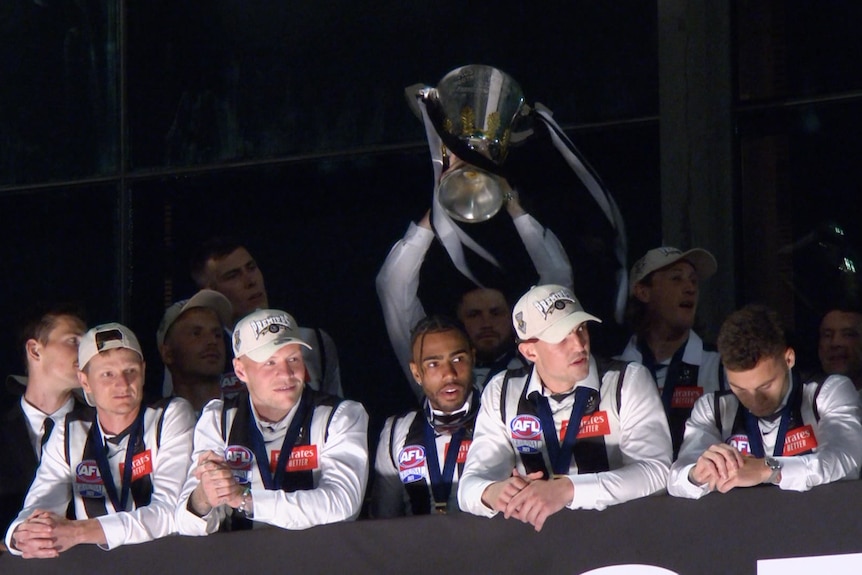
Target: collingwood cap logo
{"type": "Point", "coordinates": [259, 334]}
{"type": "Point", "coordinates": [556, 300]}
{"type": "Point", "coordinates": [549, 313]}
{"type": "Point", "coordinates": [271, 324]}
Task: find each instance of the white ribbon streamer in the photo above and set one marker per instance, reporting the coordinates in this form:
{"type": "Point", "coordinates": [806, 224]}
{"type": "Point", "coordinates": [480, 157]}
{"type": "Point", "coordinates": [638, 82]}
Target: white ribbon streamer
{"type": "Point", "coordinates": [602, 197]}
{"type": "Point", "coordinates": [451, 236]}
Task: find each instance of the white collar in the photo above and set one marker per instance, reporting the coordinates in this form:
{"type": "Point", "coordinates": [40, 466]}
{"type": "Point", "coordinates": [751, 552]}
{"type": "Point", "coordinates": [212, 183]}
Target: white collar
{"type": "Point", "coordinates": [591, 381]}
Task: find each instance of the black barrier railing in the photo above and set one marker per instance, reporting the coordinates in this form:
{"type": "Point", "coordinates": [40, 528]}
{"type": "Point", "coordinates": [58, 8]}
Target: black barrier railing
{"type": "Point", "coordinates": [719, 534]}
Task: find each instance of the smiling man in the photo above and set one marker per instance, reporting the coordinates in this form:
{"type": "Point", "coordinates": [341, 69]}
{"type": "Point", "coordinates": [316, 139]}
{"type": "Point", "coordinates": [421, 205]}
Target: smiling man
{"type": "Point", "coordinates": [664, 287]}
{"type": "Point", "coordinates": [421, 454]}
{"type": "Point", "coordinates": [279, 453]}
{"type": "Point", "coordinates": [771, 427]}
{"type": "Point", "coordinates": [528, 459]}
{"type": "Point", "coordinates": [840, 344]}
{"type": "Point", "coordinates": [120, 463]}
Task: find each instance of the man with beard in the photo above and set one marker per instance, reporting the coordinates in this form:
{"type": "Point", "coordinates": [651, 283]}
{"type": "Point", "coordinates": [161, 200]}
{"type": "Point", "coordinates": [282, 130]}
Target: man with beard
{"type": "Point", "coordinates": [191, 343]}
{"type": "Point", "coordinates": [840, 344]}
{"type": "Point", "coordinates": [772, 427]}
{"type": "Point", "coordinates": [485, 313]}
{"type": "Point", "coordinates": [279, 453]}
{"type": "Point", "coordinates": [420, 454]}
{"type": "Point", "coordinates": [570, 432]}
{"type": "Point", "coordinates": [663, 297]}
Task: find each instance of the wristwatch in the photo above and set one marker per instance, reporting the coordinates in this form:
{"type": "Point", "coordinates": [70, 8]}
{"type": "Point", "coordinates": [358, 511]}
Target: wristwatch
{"type": "Point", "coordinates": [775, 467]}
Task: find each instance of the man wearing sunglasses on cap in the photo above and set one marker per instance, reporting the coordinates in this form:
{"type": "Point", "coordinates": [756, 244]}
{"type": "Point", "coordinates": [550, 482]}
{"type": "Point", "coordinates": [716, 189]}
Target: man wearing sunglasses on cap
{"type": "Point", "coordinates": [121, 464]}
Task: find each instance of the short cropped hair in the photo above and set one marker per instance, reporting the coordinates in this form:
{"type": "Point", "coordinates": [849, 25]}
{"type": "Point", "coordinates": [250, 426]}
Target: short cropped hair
{"type": "Point", "coordinates": [215, 248]}
{"type": "Point", "coordinates": [436, 324]}
{"type": "Point", "coordinates": [842, 307]}
{"type": "Point", "coordinates": [749, 335]}
{"type": "Point", "coordinates": [41, 318]}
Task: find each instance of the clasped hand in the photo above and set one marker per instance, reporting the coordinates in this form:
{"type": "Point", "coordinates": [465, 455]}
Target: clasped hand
{"type": "Point", "coordinates": [217, 482]}
{"type": "Point", "coordinates": [722, 467]}
{"type": "Point", "coordinates": [529, 498]}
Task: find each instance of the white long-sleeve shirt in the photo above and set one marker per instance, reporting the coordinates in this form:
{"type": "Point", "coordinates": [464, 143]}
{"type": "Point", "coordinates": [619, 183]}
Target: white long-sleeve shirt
{"type": "Point", "coordinates": [398, 279]}
{"type": "Point", "coordinates": [638, 441]}
{"type": "Point", "coordinates": [52, 488]}
{"type": "Point", "coordinates": [708, 362]}
{"type": "Point", "coordinates": [340, 476]}
{"type": "Point", "coordinates": [838, 433]}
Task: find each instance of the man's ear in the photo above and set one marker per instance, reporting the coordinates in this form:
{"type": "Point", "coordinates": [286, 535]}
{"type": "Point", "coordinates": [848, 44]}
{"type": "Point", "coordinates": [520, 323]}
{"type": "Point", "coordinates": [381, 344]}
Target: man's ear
{"type": "Point", "coordinates": [417, 375]}
{"type": "Point", "coordinates": [239, 370]}
{"type": "Point", "coordinates": [642, 292]}
{"type": "Point", "coordinates": [528, 350]}
{"type": "Point", "coordinates": [33, 349]}
{"type": "Point", "coordinates": [82, 379]}
{"type": "Point", "coordinates": [166, 354]}
{"type": "Point", "coordinates": [790, 357]}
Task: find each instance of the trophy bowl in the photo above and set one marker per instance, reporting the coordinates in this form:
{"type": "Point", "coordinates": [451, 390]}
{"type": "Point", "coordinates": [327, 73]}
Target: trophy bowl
{"type": "Point", "coordinates": [475, 107]}
{"type": "Point", "coordinates": [479, 105]}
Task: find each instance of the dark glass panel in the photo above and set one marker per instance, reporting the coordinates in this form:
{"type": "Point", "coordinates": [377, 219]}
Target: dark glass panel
{"type": "Point", "coordinates": [57, 245]}
{"type": "Point", "coordinates": [58, 90]}
{"type": "Point", "coordinates": [800, 175]}
{"type": "Point", "coordinates": [215, 81]}
{"type": "Point", "coordinates": [798, 49]}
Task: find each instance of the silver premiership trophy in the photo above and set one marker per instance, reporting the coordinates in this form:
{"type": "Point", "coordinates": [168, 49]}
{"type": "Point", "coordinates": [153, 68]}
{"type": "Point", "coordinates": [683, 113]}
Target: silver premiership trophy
{"type": "Point", "coordinates": [474, 109]}
{"type": "Point", "coordinates": [471, 118]}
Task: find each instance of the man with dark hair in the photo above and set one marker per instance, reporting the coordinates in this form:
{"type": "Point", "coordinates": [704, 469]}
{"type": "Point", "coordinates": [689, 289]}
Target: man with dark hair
{"type": "Point", "coordinates": [49, 340]}
{"type": "Point", "coordinates": [771, 427]}
{"type": "Point", "coordinates": [421, 453]}
{"type": "Point", "coordinates": [484, 312]}
{"type": "Point", "coordinates": [279, 453]}
{"type": "Point", "coordinates": [117, 467]}
{"type": "Point", "coordinates": [225, 265]}
{"type": "Point", "coordinates": [664, 286]}
{"type": "Point", "coordinates": [571, 432]}
{"type": "Point", "coordinates": [840, 343]}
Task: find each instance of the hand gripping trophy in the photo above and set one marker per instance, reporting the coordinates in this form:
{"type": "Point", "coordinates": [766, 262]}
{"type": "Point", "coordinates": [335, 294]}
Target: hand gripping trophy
{"type": "Point", "coordinates": [472, 117]}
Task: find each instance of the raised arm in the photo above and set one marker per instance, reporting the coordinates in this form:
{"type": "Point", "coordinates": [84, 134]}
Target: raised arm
{"type": "Point", "coordinates": [398, 288]}
{"type": "Point", "coordinates": [544, 248]}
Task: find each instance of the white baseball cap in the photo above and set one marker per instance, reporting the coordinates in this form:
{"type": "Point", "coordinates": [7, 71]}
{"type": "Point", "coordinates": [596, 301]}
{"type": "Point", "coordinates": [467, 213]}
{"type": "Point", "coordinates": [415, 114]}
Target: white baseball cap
{"type": "Point", "coordinates": [261, 333]}
{"type": "Point", "coordinates": [704, 263]}
{"type": "Point", "coordinates": [104, 337]}
{"type": "Point", "coordinates": [549, 313]}
{"type": "Point", "coordinates": [205, 298]}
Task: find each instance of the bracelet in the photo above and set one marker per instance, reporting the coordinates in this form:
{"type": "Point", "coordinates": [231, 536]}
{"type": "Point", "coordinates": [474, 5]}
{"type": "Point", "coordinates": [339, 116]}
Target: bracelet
{"type": "Point", "coordinates": [246, 497]}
